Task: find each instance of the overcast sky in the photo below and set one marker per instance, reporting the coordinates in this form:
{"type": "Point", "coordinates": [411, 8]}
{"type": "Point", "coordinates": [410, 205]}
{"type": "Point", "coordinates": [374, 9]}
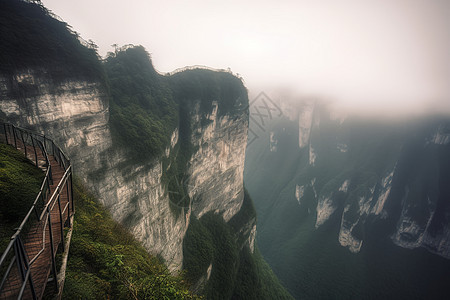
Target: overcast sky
{"type": "Point", "coordinates": [370, 54]}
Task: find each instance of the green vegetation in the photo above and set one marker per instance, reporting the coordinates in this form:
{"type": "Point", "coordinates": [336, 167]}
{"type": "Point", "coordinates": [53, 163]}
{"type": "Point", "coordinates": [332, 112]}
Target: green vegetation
{"type": "Point", "coordinates": [207, 86]}
{"type": "Point", "coordinates": [245, 215]}
{"type": "Point", "coordinates": [106, 262]}
{"type": "Point", "coordinates": [236, 273]}
{"type": "Point", "coordinates": [143, 113]}
{"type": "Point", "coordinates": [310, 262]}
{"type": "Point", "coordinates": [31, 38]}
{"type": "Point", "coordinates": [256, 280]}
{"type": "Point", "coordinates": [146, 107]}
{"type": "Point", "coordinates": [225, 256]}
{"type": "Point", "coordinates": [174, 176]}
{"type": "Point", "coordinates": [20, 182]}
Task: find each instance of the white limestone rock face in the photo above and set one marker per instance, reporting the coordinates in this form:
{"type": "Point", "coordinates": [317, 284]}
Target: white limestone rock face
{"type": "Point", "coordinates": [252, 238]}
{"type": "Point", "coordinates": [137, 198]}
{"type": "Point", "coordinates": [344, 186]}
{"type": "Point", "coordinates": [299, 192]}
{"type": "Point", "coordinates": [385, 190]}
{"type": "Point", "coordinates": [75, 114]}
{"type": "Point", "coordinates": [216, 170]}
{"type": "Point", "coordinates": [346, 239]}
{"type": "Point", "coordinates": [325, 208]}
{"type": "Point", "coordinates": [305, 123]}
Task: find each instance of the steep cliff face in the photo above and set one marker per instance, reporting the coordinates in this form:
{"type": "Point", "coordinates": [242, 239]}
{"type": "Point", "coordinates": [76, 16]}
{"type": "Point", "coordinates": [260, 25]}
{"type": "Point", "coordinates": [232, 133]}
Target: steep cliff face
{"type": "Point", "coordinates": [164, 154]}
{"type": "Point", "coordinates": [136, 197]}
{"type": "Point", "coordinates": [75, 114]}
{"type": "Point", "coordinates": [216, 169]}
{"type": "Point", "coordinates": [368, 172]}
{"type": "Point", "coordinates": [356, 191]}
{"type": "Point", "coordinates": [135, 137]}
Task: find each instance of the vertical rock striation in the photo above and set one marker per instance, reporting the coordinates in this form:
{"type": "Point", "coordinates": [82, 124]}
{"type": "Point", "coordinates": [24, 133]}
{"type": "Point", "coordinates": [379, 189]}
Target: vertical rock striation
{"type": "Point", "coordinates": [75, 114]}
{"type": "Point", "coordinates": [217, 167]}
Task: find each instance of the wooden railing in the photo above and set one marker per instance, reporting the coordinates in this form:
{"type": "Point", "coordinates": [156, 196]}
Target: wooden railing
{"type": "Point", "coordinates": [27, 261]}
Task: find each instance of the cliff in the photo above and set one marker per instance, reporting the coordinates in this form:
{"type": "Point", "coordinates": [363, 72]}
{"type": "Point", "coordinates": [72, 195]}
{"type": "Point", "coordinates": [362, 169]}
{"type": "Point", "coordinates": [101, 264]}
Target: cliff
{"type": "Point", "coordinates": [75, 114]}
{"type": "Point", "coordinates": [354, 198]}
{"type": "Point", "coordinates": [69, 100]}
{"type": "Point", "coordinates": [379, 174]}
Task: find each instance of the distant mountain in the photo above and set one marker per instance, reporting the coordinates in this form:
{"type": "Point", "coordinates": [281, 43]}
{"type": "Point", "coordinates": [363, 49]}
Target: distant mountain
{"type": "Point", "coordinates": [347, 206]}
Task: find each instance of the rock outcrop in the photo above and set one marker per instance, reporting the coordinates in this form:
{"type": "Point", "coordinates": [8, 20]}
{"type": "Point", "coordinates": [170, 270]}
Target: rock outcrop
{"type": "Point", "coordinates": [75, 114]}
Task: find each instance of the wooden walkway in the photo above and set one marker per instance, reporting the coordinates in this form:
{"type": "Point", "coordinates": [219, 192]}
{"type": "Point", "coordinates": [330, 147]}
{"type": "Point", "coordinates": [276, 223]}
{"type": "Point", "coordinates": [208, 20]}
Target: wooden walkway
{"type": "Point", "coordinates": [37, 239]}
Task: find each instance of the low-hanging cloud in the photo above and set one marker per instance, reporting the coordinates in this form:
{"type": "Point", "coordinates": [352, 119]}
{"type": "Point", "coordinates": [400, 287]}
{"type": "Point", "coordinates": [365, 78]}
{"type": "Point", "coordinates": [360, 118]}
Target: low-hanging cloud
{"type": "Point", "coordinates": [368, 55]}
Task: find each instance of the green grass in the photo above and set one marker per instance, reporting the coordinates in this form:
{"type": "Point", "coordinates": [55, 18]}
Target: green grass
{"type": "Point", "coordinates": [20, 182]}
{"type": "Point", "coordinates": [106, 262]}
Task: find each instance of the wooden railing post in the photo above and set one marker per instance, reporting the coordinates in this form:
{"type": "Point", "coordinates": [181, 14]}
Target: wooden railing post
{"type": "Point", "coordinates": [48, 182]}
{"type": "Point", "coordinates": [21, 260]}
{"type": "Point", "coordinates": [25, 260]}
{"type": "Point", "coordinates": [52, 248]}
{"type": "Point", "coordinates": [71, 191]}
{"type": "Point", "coordinates": [68, 199]}
{"type": "Point", "coordinates": [35, 153]}
{"type": "Point", "coordinates": [61, 223]}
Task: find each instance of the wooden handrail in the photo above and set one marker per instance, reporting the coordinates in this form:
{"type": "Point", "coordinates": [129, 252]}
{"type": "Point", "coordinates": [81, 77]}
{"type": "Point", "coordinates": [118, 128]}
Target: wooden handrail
{"type": "Point", "coordinates": [16, 252]}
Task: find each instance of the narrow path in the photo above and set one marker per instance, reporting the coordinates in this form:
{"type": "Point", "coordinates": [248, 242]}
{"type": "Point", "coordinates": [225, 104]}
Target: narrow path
{"type": "Point", "coordinates": [42, 229]}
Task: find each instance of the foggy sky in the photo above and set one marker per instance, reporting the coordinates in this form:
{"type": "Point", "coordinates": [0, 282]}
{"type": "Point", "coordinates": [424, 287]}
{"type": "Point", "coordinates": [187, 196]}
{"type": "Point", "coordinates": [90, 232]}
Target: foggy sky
{"type": "Point", "coordinates": [379, 55]}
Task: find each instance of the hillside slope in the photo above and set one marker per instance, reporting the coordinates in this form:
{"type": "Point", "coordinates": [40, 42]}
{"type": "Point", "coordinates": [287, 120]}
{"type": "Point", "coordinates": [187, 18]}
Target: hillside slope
{"type": "Point", "coordinates": [104, 252]}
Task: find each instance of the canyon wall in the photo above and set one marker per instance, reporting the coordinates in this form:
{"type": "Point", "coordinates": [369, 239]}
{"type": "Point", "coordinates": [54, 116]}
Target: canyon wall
{"type": "Point", "coordinates": [75, 114]}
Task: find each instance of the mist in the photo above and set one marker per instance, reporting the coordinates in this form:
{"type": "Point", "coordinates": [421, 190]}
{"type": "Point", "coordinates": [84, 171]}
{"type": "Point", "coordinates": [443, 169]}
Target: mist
{"type": "Point", "coordinates": [377, 57]}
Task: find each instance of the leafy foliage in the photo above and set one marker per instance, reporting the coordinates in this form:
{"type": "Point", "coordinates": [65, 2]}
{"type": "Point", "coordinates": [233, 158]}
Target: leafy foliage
{"type": "Point", "coordinates": [31, 37]}
{"type": "Point", "coordinates": [146, 107]}
{"type": "Point", "coordinates": [236, 273]}
{"type": "Point", "coordinates": [105, 261]}
{"type": "Point", "coordinates": [20, 182]}
{"type": "Point", "coordinates": [143, 113]}
{"type": "Point", "coordinates": [208, 86]}
{"type": "Point", "coordinates": [174, 174]}
{"type": "Point", "coordinates": [255, 279]}
{"type": "Point", "coordinates": [198, 250]}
